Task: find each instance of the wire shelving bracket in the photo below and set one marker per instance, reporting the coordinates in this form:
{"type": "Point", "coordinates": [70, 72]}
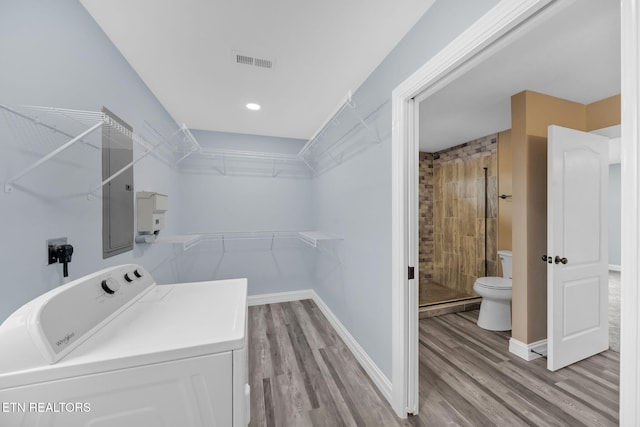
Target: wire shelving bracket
{"type": "Point", "coordinates": [80, 125]}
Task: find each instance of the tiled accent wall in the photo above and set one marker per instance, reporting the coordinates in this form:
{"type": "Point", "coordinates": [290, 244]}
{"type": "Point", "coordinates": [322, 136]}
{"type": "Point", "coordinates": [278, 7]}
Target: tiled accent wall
{"type": "Point", "coordinates": [452, 226]}
{"type": "Point", "coordinates": [425, 222]}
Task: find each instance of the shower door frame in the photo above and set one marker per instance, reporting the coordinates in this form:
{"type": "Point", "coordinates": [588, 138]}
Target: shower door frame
{"type": "Point", "coordinates": [490, 33]}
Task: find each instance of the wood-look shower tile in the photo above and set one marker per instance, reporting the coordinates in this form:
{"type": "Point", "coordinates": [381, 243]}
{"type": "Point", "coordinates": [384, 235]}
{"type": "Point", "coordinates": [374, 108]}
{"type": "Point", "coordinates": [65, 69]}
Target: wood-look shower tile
{"type": "Point", "coordinates": [479, 198]}
{"type": "Point", "coordinates": [443, 170]}
{"type": "Point", "coordinates": [492, 244]}
{"type": "Point", "coordinates": [492, 196]}
{"type": "Point", "coordinates": [450, 191]}
{"type": "Point", "coordinates": [493, 268]}
{"type": "Point", "coordinates": [466, 216]}
{"type": "Point", "coordinates": [448, 230]}
{"type": "Point", "coordinates": [437, 249]}
{"type": "Point", "coordinates": [480, 267]}
{"type": "Point", "coordinates": [450, 207]}
{"type": "Point", "coordinates": [468, 281]}
{"type": "Point", "coordinates": [459, 282]}
{"type": "Point", "coordinates": [437, 185]}
{"type": "Point", "coordinates": [438, 217]}
{"type": "Point", "coordinates": [469, 255]}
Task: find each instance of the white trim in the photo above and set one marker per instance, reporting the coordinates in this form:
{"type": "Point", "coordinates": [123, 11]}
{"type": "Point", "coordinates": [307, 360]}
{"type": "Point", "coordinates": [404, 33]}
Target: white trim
{"type": "Point", "coordinates": [504, 17]}
{"type": "Point", "coordinates": [614, 267]}
{"type": "Point", "coordinates": [630, 195]}
{"type": "Point", "coordinates": [526, 351]}
{"type": "Point", "coordinates": [280, 297]}
{"type": "Point", "coordinates": [412, 176]}
{"type": "Point", "coordinates": [379, 379]}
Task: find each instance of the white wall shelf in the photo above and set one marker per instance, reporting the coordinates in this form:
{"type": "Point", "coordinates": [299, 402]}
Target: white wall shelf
{"type": "Point", "coordinates": [329, 146]}
{"type": "Point", "coordinates": [179, 140]}
{"type": "Point", "coordinates": [63, 129]}
{"type": "Point", "coordinates": [188, 241]}
{"type": "Point", "coordinates": [344, 134]}
{"type": "Point", "coordinates": [236, 162]}
{"type": "Point", "coordinates": [314, 237]}
{"type": "Point", "coordinates": [341, 139]}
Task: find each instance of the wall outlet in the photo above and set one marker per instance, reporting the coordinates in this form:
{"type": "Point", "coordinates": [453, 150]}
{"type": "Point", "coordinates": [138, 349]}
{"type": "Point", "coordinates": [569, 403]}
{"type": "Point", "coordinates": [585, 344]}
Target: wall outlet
{"type": "Point", "coordinates": [51, 245]}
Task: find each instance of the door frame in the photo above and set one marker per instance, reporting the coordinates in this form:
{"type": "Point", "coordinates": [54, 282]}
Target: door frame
{"type": "Point", "coordinates": [490, 33]}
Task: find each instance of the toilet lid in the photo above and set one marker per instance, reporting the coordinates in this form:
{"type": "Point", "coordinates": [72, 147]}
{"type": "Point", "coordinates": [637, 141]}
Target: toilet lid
{"type": "Point", "coordinates": [494, 282]}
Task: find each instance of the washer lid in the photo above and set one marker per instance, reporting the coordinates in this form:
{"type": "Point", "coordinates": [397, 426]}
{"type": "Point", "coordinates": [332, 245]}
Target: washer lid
{"type": "Point", "coordinates": [494, 282]}
{"type": "Point", "coordinates": [163, 324]}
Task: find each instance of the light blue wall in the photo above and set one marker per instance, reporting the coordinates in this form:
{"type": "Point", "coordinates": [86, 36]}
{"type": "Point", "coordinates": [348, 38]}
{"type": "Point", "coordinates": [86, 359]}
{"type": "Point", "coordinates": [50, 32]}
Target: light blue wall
{"type": "Point", "coordinates": [615, 245]}
{"type": "Point", "coordinates": [214, 203]}
{"type": "Point", "coordinates": [53, 54]}
{"type": "Point", "coordinates": [353, 200]}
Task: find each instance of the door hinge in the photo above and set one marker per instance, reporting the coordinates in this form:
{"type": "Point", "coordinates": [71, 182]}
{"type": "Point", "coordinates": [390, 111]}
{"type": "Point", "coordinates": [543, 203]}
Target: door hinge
{"type": "Point", "coordinates": [411, 273]}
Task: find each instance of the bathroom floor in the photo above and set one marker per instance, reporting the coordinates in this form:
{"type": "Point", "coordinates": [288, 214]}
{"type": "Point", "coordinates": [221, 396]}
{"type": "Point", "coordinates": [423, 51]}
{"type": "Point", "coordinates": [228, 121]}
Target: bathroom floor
{"type": "Point", "coordinates": [468, 377]}
{"type": "Point", "coordinates": [302, 374]}
{"type": "Point", "coordinates": [434, 293]}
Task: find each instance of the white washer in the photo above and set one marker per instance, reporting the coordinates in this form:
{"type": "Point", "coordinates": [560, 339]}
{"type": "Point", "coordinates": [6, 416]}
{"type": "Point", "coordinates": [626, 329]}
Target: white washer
{"type": "Point", "coordinates": [115, 349]}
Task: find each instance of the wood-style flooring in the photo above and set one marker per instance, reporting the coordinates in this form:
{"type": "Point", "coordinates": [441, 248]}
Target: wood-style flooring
{"type": "Point", "coordinates": [302, 374]}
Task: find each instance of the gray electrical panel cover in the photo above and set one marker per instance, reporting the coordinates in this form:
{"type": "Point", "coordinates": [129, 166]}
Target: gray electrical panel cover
{"type": "Point", "coordinates": [117, 195]}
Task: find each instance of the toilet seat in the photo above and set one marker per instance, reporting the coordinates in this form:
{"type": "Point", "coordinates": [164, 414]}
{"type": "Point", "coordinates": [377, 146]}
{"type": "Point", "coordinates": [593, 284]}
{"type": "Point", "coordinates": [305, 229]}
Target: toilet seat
{"type": "Point", "coordinates": [493, 282]}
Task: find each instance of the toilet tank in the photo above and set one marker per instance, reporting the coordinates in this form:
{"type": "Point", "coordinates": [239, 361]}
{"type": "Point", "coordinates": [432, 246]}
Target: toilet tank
{"type": "Point", "coordinates": [505, 260]}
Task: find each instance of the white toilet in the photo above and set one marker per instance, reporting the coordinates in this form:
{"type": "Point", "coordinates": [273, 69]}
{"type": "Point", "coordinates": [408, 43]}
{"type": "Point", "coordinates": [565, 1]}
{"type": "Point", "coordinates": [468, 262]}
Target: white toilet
{"type": "Point", "coordinates": [495, 309]}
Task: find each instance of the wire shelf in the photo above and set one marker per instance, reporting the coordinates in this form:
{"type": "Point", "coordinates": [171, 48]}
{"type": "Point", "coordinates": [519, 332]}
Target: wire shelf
{"type": "Point", "coordinates": [188, 241]}
{"type": "Point", "coordinates": [247, 163]}
{"type": "Point", "coordinates": [334, 144]}
{"type": "Point", "coordinates": [50, 131]}
{"type": "Point", "coordinates": [179, 143]}
{"type": "Point", "coordinates": [344, 134]}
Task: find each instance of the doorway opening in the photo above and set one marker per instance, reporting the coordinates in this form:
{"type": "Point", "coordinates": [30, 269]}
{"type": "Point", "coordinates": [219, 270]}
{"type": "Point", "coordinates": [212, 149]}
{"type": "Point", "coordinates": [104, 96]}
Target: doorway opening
{"type": "Point", "coordinates": [405, 115]}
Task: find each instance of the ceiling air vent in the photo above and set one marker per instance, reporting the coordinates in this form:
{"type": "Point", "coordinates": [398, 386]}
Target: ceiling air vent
{"type": "Point", "coordinates": [264, 63]}
{"type": "Point", "coordinates": [243, 59]}
{"type": "Point", "coordinates": [251, 60]}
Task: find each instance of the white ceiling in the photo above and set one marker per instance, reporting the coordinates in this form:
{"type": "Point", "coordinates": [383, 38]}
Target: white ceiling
{"type": "Point", "coordinates": [183, 51]}
{"type": "Point", "coordinates": [574, 55]}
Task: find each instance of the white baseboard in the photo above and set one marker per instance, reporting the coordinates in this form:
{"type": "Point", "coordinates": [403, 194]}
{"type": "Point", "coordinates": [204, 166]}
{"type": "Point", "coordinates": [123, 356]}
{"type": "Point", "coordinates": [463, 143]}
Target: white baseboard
{"type": "Point", "coordinates": [280, 297]}
{"type": "Point", "coordinates": [376, 375]}
{"type": "Point", "coordinates": [614, 267]}
{"type": "Point", "coordinates": [525, 352]}
{"type": "Point", "coordinates": [379, 379]}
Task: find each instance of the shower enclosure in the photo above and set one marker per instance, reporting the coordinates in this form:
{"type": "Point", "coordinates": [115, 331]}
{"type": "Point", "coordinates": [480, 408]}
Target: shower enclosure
{"type": "Point", "coordinates": [458, 220]}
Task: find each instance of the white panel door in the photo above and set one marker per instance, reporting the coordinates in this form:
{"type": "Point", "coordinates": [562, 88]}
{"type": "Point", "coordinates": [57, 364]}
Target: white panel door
{"type": "Point", "coordinates": [577, 269]}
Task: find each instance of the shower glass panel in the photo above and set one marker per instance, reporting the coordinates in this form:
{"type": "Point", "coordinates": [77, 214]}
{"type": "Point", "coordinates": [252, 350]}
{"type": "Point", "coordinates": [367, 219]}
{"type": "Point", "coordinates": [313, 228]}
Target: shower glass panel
{"type": "Point", "coordinates": [458, 229]}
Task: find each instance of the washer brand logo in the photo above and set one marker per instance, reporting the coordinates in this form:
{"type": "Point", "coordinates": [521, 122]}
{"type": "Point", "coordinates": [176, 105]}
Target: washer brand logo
{"type": "Point", "coordinates": [66, 339]}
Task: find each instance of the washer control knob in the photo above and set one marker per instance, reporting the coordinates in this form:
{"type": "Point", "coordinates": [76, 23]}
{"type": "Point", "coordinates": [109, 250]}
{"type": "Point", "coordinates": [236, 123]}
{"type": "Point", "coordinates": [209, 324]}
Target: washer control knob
{"type": "Point", "coordinates": [127, 278]}
{"type": "Point", "coordinates": [137, 273]}
{"type": "Point", "coordinates": [110, 286]}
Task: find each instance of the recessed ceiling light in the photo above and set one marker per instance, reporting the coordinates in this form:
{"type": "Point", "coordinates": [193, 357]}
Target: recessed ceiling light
{"type": "Point", "coordinates": [252, 106]}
